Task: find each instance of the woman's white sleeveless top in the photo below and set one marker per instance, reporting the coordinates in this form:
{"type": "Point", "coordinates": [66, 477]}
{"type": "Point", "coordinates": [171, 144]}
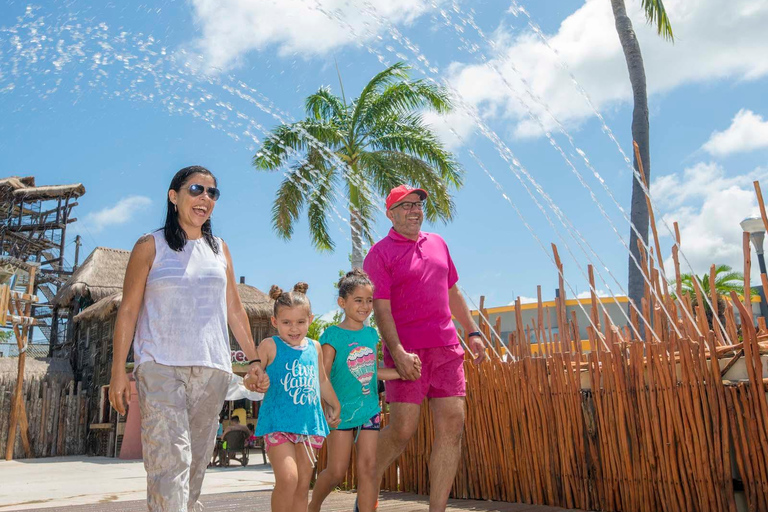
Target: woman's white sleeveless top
{"type": "Point", "coordinates": [183, 319]}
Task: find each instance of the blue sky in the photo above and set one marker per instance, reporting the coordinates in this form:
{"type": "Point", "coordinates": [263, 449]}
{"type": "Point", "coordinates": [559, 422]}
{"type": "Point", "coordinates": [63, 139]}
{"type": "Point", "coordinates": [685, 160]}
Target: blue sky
{"type": "Point", "coordinates": [119, 96]}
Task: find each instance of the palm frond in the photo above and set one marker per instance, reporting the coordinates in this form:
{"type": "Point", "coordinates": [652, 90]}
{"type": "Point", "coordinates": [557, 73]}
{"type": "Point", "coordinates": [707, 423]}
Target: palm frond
{"type": "Point", "coordinates": [415, 172]}
{"type": "Point", "coordinates": [325, 106]}
{"type": "Point", "coordinates": [288, 203]}
{"type": "Point", "coordinates": [360, 190]}
{"type": "Point", "coordinates": [322, 136]}
{"type": "Point", "coordinates": [405, 97]}
{"type": "Point", "coordinates": [396, 72]}
{"type": "Point", "coordinates": [730, 276]}
{"type": "Point", "coordinates": [278, 147]}
{"type": "Point", "coordinates": [320, 201]}
{"type": "Point", "coordinates": [293, 140]}
{"type": "Point", "coordinates": [726, 280]}
{"type": "Point", "coordinates": [410, 136]}
{"type": "Point", "coordinates": [656, 14]}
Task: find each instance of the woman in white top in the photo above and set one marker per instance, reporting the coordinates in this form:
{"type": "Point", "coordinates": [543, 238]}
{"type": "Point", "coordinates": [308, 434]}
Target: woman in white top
{"type": "Point", "coordinates": [179, 296]}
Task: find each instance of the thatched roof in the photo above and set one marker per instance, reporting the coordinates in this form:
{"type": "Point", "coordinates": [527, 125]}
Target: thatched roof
{"type": "Point", "coordinates": [49, 192]}
{"type": "Point", "coordinates": [36, 368]}
{"type": "Point", "coordinates": [8, 185]}
{"type": "Point", "coordinates": [100, 276]}
{"type": "Point", "coordinates": [101, 309]}
{"type": "Point", "coordinates": [257, 304]}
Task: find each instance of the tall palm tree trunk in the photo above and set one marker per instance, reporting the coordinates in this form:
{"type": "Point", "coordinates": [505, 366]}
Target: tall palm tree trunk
{"type": "Point", "coordinates": [641, 134]}
{"type": "Point", "coordinates": [356, 227]}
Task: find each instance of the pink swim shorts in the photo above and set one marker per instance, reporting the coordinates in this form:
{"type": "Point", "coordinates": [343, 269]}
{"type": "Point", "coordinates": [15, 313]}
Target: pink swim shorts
{"type": "Point", "coordinates": [442, 376]}
{"type": "Point", "coordinates": [278, 438]}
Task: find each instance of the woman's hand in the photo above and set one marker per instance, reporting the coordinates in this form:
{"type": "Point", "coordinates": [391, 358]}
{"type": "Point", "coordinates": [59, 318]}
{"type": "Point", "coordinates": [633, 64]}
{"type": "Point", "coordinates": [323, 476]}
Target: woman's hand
{"type": "Point", "coordinates": [119, 390]}
{"type": "Point", "coordinates": [256, 379]}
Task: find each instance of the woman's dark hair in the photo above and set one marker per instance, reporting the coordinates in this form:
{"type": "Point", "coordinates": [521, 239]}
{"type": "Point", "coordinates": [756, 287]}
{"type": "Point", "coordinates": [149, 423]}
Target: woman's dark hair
{"type": "Point", "coordinates": [356, 277]}
{"type": "Point", "coordinates": [174, 234]}
{"type": "Point", "coordinates": [298, 297]}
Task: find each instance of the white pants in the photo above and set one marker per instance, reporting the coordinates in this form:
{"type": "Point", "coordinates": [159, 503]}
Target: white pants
{"type": "Point", "coordinates": [179, 417]}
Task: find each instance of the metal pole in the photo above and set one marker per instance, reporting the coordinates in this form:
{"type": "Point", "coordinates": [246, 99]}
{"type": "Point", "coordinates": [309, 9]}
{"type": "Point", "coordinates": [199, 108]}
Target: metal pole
{"type": "Point", "coordinates": [78, 243]}
{"type": "Point", "coordinates": [763, 302]}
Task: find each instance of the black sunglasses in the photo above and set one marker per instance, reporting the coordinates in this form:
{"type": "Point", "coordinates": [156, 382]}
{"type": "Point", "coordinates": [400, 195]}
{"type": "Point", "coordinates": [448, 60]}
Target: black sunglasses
{"type": "Point", "coordinates": [195, 190]}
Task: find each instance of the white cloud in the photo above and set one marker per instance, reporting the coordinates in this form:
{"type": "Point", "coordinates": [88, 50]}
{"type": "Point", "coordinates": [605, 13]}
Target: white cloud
{"type": "Point", "coordinates": [748, 131]}
{"type": "Point", "coordinates": [711, 43]}
{"type": "Point", "coordinates": [120, 213]}
{"type": "Point", "coordinates": [525, 300]}
{"type": "Point", "coordinates": [586, 294]}
{"type": "Point", "coordinates": [231, 28]}
{"type": "Point", "coordinates": [708, 205]}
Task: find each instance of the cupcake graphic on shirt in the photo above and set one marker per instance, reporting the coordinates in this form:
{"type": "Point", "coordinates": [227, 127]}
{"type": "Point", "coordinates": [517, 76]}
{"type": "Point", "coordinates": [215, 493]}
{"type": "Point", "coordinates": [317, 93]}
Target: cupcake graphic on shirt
{"type": "Point", "coordinates": [361, 362]}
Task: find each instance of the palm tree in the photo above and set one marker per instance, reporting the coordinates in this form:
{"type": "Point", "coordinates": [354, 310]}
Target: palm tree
{"type": "Point", "coordinates": [655, 13]}
{"type": "Point", "coordinates": [726, 281]}
{"type": "Point", "coordinates": [373, 144]}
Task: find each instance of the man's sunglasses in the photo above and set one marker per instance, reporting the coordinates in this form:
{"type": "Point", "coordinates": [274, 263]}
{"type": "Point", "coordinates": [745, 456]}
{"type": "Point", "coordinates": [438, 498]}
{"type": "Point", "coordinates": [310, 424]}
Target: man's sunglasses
{"type": "Point", "coordinates": [195, 190]}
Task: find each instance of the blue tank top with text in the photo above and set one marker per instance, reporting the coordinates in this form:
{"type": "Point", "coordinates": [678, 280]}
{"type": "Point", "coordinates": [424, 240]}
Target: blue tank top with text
{"type": "Point", "coordinates": [292, 403]}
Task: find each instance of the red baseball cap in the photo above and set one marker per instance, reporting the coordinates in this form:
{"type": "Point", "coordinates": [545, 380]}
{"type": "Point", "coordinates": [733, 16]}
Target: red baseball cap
{"type": "Point", "coordinates": [398, 193]}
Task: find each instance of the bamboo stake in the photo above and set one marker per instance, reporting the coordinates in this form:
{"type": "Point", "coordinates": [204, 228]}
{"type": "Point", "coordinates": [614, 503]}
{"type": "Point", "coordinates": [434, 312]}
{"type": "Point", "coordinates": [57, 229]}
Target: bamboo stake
{"type": "Point", "coordinates": [747, 271]}
{"type": "Point", "coordinates": [761, 204]}
{"type": "Point", "coordinates": [651, 215]}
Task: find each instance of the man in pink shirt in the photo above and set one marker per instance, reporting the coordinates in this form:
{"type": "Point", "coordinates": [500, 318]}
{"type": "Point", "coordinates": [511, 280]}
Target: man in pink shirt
{"type": "Point", "coordinates": [414, 298]}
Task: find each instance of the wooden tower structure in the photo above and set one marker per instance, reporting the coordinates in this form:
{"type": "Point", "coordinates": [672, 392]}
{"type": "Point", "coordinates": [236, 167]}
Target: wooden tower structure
{"type": "Point", "coordinates": [33, 230]}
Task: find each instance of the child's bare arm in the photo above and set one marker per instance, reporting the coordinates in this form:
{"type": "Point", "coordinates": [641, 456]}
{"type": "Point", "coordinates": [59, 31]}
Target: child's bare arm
{"type": "Point", "coordinates": [383, 373]}
{"type": "Point", "coordinates": [267, 351]}
{"type": "Point", "coordinates": [329, 356]}
{"type": "Point", "coordinates": [327, 393]}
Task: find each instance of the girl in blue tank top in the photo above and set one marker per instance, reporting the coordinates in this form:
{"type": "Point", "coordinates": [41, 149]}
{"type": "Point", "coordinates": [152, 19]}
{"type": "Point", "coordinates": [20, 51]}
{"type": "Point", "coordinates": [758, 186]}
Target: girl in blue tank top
{"type": "Point", "coordinates": [291, 417]}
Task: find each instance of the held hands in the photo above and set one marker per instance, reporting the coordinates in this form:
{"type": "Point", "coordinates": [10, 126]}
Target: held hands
{"type": "Point", "coordinates": [477, 347]}
{"type": "Point", "coordinates": [332, 414]}
{"type": "Point", "coordinates": [408, 365]}
{"type": "Point", "coordinates": [256, 379]}
{"type": "Point", "coordinates": [119, 390]}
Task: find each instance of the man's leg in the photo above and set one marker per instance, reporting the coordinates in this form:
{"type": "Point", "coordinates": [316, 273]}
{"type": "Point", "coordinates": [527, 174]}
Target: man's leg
{"type": "Point", "coordinates": [448, 418]}
{"type": "Point", "coordinates": [403, 421]}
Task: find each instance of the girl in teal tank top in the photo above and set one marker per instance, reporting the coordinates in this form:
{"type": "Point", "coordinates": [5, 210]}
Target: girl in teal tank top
{"type": "Point", "coordinates": [291, 417]}
{"type": "Point", "coordinates": [349, 355]}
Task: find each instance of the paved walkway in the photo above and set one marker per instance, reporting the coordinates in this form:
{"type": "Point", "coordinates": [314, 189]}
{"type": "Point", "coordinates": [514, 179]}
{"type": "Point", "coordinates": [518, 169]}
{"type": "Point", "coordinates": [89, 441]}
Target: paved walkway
{"type": "Point", "coordinates": [336, 502]}
{"type": "Point", "coordinates": [32, 484]}
{"type": "Point", "coordinates": [102, 484]}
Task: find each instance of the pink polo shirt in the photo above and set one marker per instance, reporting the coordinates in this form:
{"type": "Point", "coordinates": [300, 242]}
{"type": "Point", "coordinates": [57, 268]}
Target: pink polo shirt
{"type": "Point", "coordinates": [415, 277]}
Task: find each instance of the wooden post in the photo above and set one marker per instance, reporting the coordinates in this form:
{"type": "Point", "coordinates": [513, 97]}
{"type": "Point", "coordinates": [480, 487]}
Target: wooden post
{"type": "Point", "coordinates": [747, 270]}
{"type": "Point", "coordinates": [18, 412]}
{"type": "Point", "coordinates": [562, 317]}
{"type": "Point", "coordinates": [715, 307]}
{"type": "Point", "coordinates": [593, 297]}
{"type": "Point", "coordinates": [675, 258]}
{"type": "Point", "coordinates": [761, 203]}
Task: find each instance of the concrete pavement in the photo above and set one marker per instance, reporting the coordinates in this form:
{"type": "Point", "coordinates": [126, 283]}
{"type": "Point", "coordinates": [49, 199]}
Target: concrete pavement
{"type": "Point", "coordinates": [31, 484]}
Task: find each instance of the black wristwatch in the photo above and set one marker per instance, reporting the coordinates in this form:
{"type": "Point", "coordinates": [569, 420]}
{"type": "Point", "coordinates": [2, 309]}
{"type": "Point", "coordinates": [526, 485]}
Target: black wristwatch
{"type": "Point", "coordinates": [475, 333]}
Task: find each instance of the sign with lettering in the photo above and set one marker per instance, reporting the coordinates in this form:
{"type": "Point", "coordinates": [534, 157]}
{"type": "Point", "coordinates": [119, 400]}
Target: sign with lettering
{"type": "Point", "coordinates": [238, 356]}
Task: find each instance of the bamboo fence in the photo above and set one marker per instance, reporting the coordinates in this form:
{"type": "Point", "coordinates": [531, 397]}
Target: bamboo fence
{"type": "Point", "coordinates": [57, 416]}
{"type": "Point", "coordinates": [641, 423]}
